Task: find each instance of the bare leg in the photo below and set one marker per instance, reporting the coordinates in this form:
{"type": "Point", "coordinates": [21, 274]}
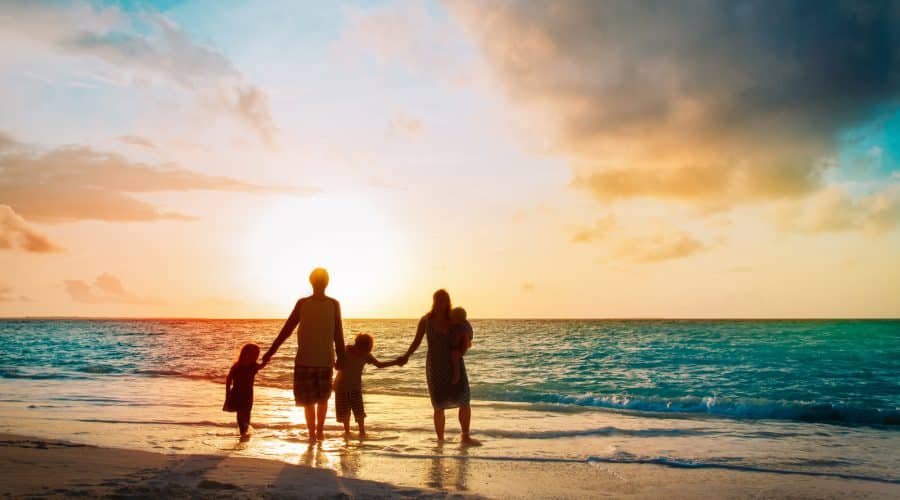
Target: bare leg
{"type": "Point", "coordinates": [465, 418]}
{"type": "Point", "coordinates": [439, 422]}
{"type": "Point", "coordinates": [310, 412]}
{"type": "Point", "coordinates": [243, 421]}
{"type": "Point", "coordinates": [362, 427]}
{"type": "Point", "coordinates": [346, 423]}
{"type": "Point", "coordinates": [321, 410]}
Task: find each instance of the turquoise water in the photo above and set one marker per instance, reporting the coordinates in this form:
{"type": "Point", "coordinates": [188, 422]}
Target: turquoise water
{"type": "Point", "coordinates": [834, 372]}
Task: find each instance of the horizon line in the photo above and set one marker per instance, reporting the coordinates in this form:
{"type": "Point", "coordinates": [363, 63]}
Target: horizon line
{"type": "Point", "coordinates": [609, 318]}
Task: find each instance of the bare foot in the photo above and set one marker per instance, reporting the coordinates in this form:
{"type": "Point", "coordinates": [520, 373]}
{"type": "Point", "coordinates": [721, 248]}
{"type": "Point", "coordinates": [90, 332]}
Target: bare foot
{"type": "Point", "coordinates": [362, 435]}
{"type": "Point", "coordinates": [320, 435]}
{"type": "Point", "coordinates": [312, 438]}
{"type": "Point", "coordinates": [245, 437]}
{"type": "Point", "coordinates": [469, 441]}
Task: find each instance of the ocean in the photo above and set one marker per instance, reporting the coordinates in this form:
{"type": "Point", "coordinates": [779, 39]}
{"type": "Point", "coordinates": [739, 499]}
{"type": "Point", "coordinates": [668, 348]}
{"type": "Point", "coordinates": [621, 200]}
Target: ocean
{"type": "Point", "coordinates": [806, 397]}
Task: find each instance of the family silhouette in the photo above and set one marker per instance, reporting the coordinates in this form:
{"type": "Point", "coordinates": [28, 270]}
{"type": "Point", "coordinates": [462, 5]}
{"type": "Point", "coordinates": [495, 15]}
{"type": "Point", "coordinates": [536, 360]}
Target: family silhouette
{"type": "Point", "coordinates": [321, 350]}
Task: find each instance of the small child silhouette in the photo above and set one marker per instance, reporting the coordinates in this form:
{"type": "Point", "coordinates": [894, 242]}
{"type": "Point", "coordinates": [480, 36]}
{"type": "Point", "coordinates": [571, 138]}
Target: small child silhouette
{"type": "Point", "coordinates": [348, 383]}
{"type": "Point", "coordinates": [239, 386]}
{"type": "Point", "coordinates": [460, 340]}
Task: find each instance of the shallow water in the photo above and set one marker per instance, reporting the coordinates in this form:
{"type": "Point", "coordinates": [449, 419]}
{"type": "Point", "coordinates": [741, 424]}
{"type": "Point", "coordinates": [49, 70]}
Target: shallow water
{"type": "Point", "coordinates": [820, 371]}
{"type": "Point", "coordinates": [817, 397]}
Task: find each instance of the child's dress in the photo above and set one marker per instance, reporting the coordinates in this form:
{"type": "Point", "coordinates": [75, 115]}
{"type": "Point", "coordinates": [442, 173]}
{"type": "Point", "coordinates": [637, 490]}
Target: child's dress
{"type": "Point", "coordinates": [241, 396]}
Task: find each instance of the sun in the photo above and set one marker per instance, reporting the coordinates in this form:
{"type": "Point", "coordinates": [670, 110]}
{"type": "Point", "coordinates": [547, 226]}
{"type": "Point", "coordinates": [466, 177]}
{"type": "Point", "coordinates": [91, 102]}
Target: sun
{"type": "Point", "coordinates": [347, 235]}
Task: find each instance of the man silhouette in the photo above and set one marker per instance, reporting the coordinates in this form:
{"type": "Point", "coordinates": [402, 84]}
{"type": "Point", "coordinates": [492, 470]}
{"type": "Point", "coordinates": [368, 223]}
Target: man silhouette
{"type": "Point", "coordinates": [320, 335]}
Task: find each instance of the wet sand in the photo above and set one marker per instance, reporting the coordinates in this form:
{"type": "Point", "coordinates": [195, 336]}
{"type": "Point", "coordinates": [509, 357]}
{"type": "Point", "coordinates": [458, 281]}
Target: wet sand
{"type": "Point", "coordinates": [32, 466]}
{"type": "Point", "coordinates": [44, 467]}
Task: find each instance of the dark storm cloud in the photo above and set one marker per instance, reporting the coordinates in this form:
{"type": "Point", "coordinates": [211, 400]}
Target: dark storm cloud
{"type": "Point", "coordinates": [706, 101]}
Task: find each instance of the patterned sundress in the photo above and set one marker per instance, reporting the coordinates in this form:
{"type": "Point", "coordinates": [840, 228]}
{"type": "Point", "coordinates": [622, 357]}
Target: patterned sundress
{"type": "Point", "coordinates": [439, 374]}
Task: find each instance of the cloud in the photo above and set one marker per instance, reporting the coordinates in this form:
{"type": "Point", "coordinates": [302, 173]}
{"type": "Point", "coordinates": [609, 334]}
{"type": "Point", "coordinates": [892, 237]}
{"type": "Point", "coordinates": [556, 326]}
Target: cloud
{"type": "Point", "coordinates": [665, 245]}
{"type": "Point", "coordinates": [408, 33]}
{"type": "Point", "coordinates": [404, 125]}
{"type": "Point", "coordinates": [7, 143]}
{"type": "Point", "coordinates": [149, 47]}
{"type": "Point", "coordinates": [659, 245]}
{"type": "Point", "coordinates": [600, 230]}
{"type": "Point", "coordinates": [703, 102]}
{"type": "Point", "coordinates": [719, 183]}
{"type": "Point", "coordinates": [106, 289]}
{"type": "Point", "coordinates": [833, 210]}
{"type": "Point", "coordinates": [16, 233]}
{"type": "Point", "coordinates": [137, 141]}
{"type": "Point", "coordinates": [78, 183]}
{"type": "Point", "coordinates": [8, 294]}
{"type": "Point", "coordinates": [251, 105]}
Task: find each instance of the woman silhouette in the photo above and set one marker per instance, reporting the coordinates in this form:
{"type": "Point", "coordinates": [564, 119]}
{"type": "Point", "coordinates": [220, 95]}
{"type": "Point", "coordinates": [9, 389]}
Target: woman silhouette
{"type": "Point", "coordinates": [435, 327]}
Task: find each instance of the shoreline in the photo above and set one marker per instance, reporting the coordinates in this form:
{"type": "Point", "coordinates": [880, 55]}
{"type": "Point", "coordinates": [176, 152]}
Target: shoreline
{"type": "Point", "coordinates": [486, 318]}
{"type": "Point", "coordinates": [86, 470]}
{"type": "Point", "coordinates": [527, 451]}
{"type": "Point", "coordinates": [161, 437]}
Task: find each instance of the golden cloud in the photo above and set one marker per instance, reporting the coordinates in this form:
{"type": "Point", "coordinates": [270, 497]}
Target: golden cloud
{"type": "Point", "coordinates": [79, 183]}
{"type": "Point", "coordinates": [16, 233]}
{"type": "Point", "coordinates": [106, 289]}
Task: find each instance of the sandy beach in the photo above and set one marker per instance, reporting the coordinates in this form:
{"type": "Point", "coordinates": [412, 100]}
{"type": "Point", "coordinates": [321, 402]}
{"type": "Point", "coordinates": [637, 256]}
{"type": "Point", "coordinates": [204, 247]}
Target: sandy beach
{"type": "Point", "coordinates": [51, 468]}
{"type": "Point", "coordinates": [58, 468]}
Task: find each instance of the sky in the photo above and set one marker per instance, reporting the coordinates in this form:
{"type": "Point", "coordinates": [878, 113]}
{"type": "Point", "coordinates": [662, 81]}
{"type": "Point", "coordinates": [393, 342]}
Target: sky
{"type": "Point", "coordinates": [573, 159]}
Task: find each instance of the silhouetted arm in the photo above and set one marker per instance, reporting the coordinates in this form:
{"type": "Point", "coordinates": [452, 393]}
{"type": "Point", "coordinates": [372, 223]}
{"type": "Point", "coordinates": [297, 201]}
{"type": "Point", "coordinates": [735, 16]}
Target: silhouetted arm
{"type": "Point", "coordinates": [338, 334]}
{"type": "Point", "coordinates": [420, 332]}
{"type": "Point", "coordinates": [286, 331]}
{"type": "Point", "coordinates": [382, 364]}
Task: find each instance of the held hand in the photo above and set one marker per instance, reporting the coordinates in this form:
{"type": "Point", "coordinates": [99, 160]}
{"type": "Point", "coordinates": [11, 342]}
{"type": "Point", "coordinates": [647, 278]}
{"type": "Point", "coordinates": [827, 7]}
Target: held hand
{"type": "Point", "coordinates": [402, 360]}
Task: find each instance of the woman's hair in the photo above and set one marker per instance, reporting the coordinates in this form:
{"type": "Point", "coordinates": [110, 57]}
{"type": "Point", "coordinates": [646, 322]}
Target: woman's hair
{"type": "Point", "coordinates": [440, 305]}
{"type": "Point", "coordinates": [249, 354]}
{"type": "Point", "coordinates": [364, 342]}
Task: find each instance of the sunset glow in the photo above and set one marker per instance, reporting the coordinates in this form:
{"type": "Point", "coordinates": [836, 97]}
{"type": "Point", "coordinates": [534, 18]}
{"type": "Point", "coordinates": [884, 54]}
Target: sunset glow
{"type": "Point", "coordinates": [197, 159]}
{"type": "Point", "coordinates": [533, 249]}
{"type": "Point", "coordinates": [344, 234]}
